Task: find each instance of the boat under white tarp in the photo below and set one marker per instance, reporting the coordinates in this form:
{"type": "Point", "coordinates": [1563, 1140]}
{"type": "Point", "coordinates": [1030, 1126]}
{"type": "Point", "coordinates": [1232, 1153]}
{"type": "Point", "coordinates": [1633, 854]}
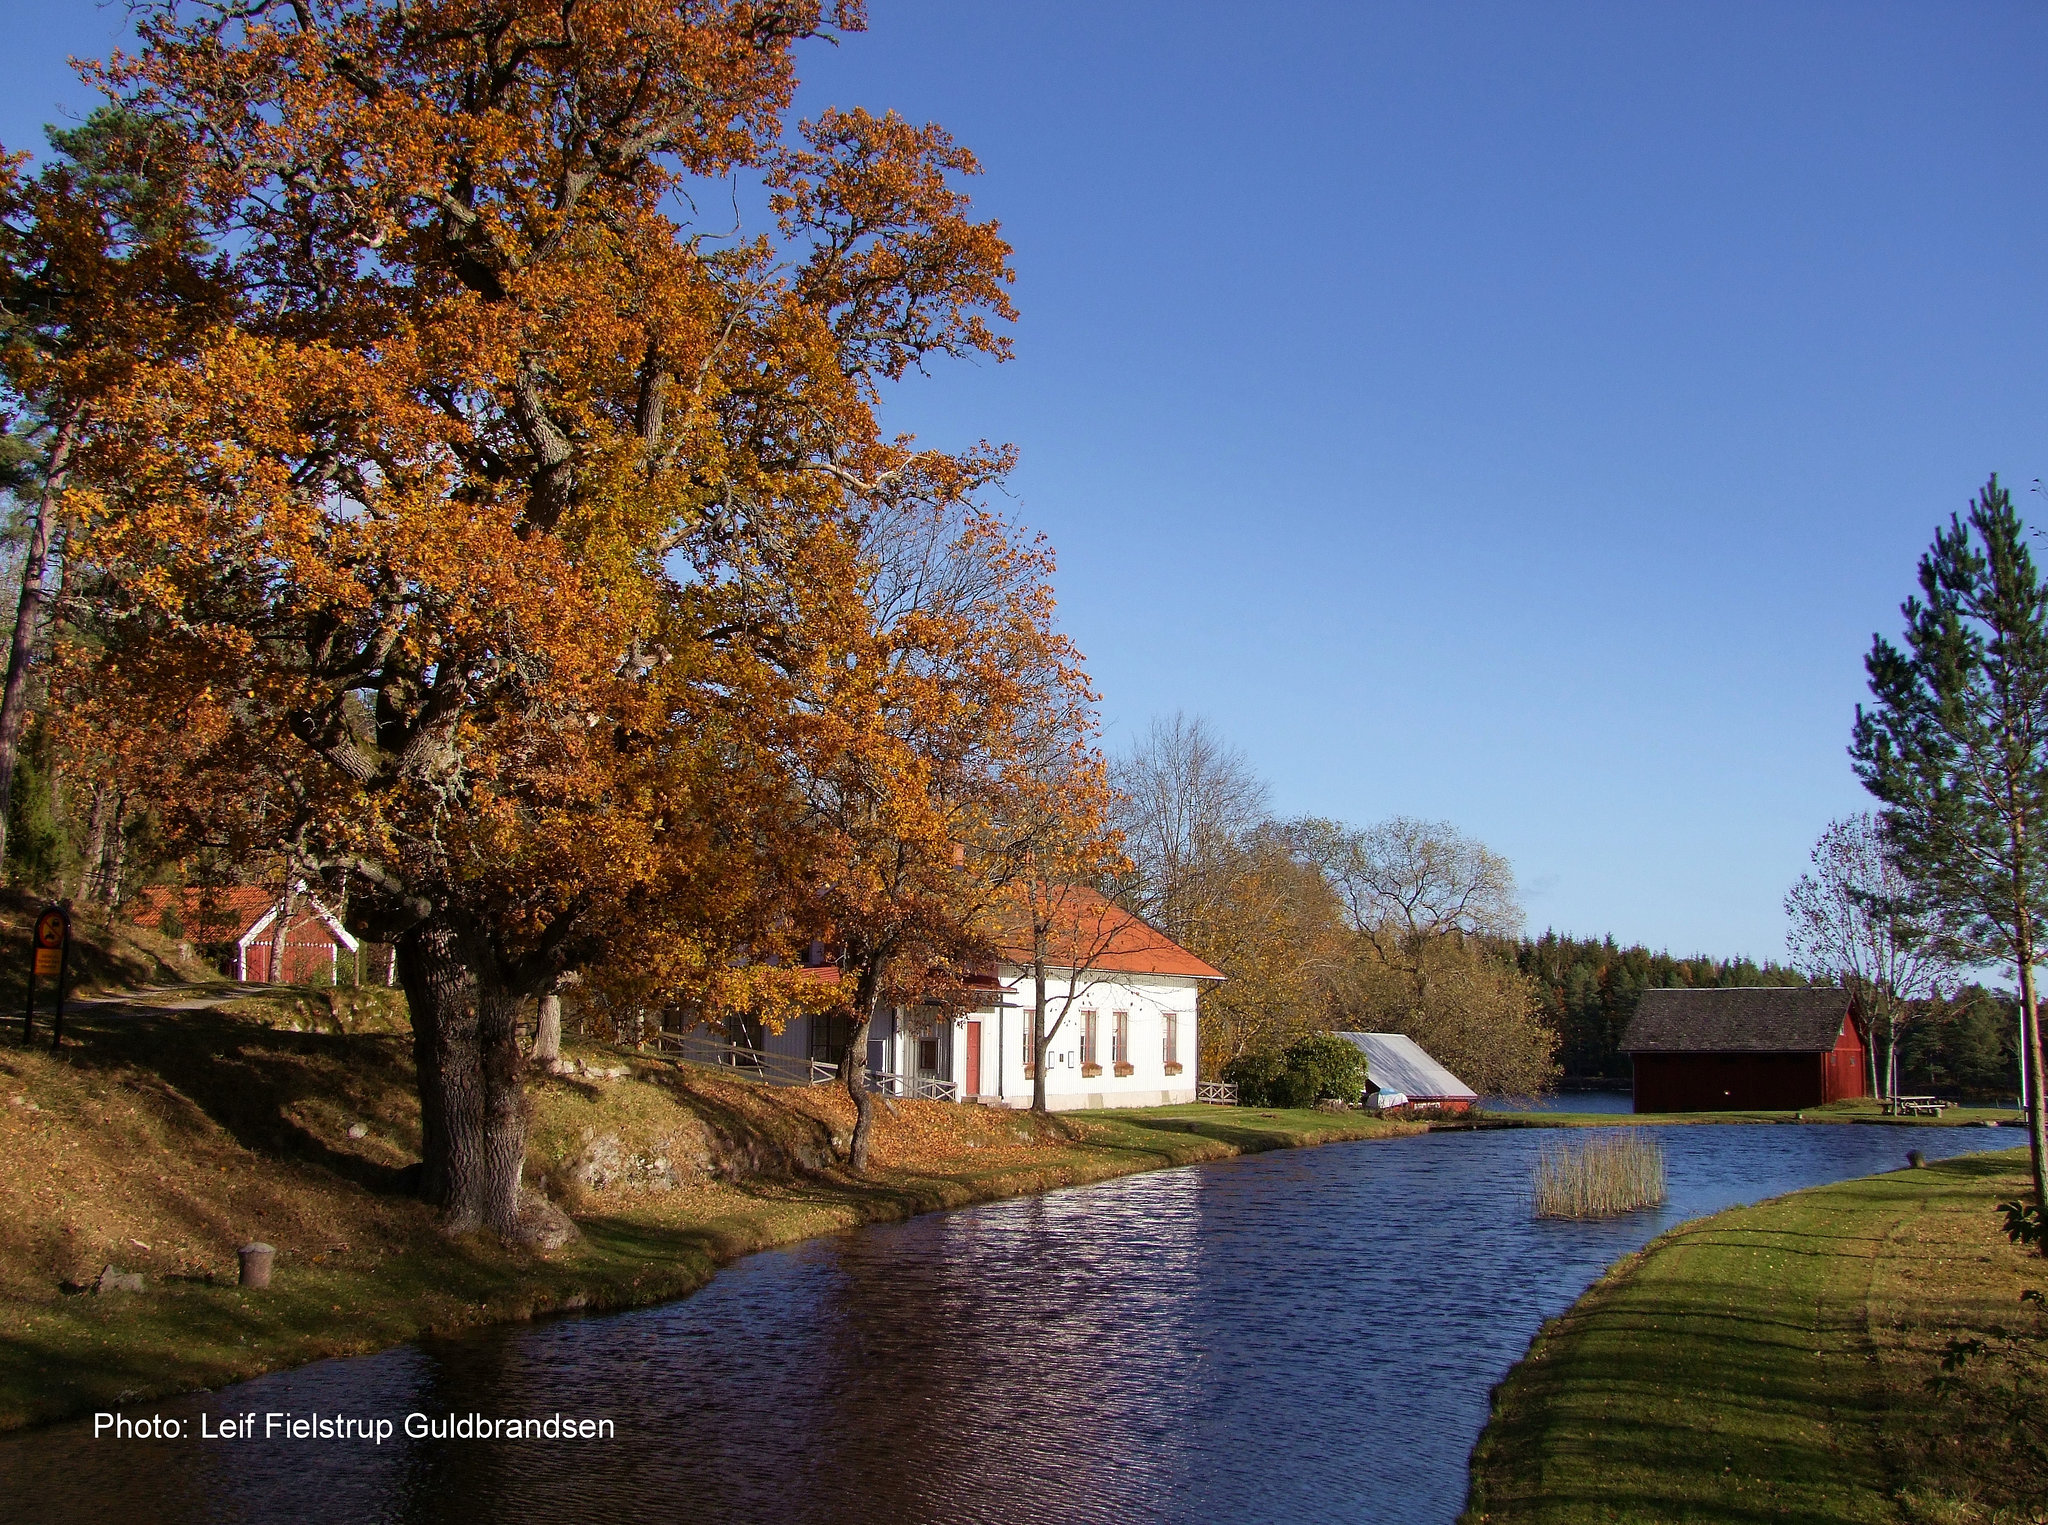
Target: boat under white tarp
{"type": "Point", "coordinates": [1397, 1064]}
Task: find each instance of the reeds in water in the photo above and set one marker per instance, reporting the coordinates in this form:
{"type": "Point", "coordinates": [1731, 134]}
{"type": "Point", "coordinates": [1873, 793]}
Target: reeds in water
{"type": "Point", "coordinates": [1609, 1171]}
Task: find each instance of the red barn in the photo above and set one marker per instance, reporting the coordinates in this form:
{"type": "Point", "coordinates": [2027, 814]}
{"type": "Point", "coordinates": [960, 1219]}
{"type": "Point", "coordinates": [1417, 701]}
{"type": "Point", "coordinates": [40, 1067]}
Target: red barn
{"type": "Point", "coordinates": [1764, 1048]}
{"type": "Point", "coordinates": [241, 918]}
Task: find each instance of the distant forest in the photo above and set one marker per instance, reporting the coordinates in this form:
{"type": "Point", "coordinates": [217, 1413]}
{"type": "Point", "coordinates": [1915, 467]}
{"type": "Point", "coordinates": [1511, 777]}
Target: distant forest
{"type": "Point", "coordinates": [1587, 990]}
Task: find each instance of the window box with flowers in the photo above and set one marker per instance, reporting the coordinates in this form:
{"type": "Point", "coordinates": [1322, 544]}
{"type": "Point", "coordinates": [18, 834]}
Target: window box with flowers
{"type": "Point", "coordinates": [1173, 1069]}
{"type": "Point", "coordinates": [1091, 1069]}
{"type": "Point", "coordinates": [1126, 1069]}
{"type": "Point", "coordinates": [1120, 1042]}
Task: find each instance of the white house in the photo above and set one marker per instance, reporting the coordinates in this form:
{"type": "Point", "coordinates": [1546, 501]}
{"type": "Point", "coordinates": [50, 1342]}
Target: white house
{"type": "Point", "coordinates": [1126, 1033]}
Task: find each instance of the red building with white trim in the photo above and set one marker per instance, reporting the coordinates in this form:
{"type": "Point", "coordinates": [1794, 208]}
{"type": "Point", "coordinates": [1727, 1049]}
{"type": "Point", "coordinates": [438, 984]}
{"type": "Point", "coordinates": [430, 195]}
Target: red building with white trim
{"type": "Point", "coordinates": [241, 920]}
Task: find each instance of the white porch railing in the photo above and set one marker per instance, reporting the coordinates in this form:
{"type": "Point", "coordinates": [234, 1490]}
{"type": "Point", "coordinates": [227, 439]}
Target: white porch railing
{"type": "Point", "coordinates": [782, 1070]}
{"type": "Point", "coordinates": [918, 1087]}
{"type": "Point", "coordinates": [1222, 1093]}
{"type": "Point", "coordinates": [749, 1063]}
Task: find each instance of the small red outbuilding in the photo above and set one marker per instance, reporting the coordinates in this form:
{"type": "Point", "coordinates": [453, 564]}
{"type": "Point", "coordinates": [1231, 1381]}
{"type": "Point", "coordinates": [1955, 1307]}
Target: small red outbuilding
{"type": "Point", "coordinates": [1764, 1048]}
{"type": "Point", "coordinates": [241, 921]}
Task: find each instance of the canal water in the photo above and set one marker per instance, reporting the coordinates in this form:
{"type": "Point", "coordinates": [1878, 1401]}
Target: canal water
{"type": "Point", "coordinates": [1301, 1336]}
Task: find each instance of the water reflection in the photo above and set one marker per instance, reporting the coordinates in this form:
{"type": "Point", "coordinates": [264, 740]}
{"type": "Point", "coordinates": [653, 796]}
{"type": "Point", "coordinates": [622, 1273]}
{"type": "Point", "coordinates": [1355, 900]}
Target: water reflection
{"type": "Point", "coordinates": [1296, 1337]}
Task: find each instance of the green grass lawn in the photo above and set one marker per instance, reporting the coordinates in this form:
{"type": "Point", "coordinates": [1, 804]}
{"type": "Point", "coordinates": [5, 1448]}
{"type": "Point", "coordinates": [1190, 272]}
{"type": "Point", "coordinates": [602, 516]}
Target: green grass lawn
{"type": "Point", "coordinates": [1786, 1362]}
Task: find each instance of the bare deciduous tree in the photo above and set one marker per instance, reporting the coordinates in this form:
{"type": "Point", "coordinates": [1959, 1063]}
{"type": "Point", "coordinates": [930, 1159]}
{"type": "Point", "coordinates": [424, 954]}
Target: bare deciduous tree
{"type": "Point", "coordinates": [1072, 929]}
{"type": "Point", "coordinates": [1185, 798]}
{"type": "Point", "coordinates": [1211, 871]}
{"type": "Point", "coordinates": [1404, 880]}
{"type": "Point", "coordinates": [1422, 899]}
{"type": "Point", "coordinates": [1852, 922]}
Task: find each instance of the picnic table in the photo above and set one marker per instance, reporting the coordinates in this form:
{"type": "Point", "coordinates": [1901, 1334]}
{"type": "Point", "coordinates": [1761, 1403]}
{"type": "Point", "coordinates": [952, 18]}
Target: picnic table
{"type": "Point", "coordinates": [1915, 1106]}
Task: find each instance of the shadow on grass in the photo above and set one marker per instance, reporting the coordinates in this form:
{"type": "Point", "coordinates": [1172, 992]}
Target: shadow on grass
{"type": "Point", "coordinates": [249, 1080]}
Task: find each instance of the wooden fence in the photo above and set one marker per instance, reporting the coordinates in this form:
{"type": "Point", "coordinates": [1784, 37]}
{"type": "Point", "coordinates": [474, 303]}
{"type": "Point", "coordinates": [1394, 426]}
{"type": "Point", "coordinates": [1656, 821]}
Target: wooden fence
{"type": "Point", "coordinates": [782, 1070]}
{"type": "Point", "coordinates": [917, 1087]}
{"type": "Point", "coordinates": [748, 1063]}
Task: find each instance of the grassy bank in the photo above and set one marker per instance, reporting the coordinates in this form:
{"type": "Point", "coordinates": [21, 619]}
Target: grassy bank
{"type": "Point", "coordinates": [1857, 1352]}
{"type": "Point", "coordinates": [161, 1139]}
{"type": "Point", "coordinates": [107, 953]}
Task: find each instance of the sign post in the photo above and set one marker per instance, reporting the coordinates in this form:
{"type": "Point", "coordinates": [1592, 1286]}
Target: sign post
{"type": "Point", "coordinates": [50, 959]}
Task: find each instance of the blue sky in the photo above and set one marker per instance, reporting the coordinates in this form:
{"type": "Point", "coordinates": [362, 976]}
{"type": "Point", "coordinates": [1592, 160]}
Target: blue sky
{"type": "Point", "coordinates": [1520, 415]}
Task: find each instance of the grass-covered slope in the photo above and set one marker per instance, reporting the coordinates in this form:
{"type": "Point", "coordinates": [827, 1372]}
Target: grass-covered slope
{"type": "Point", "coordinates": [107, 953]}
{"type": "Point", "coordinates": [1857, 1352]}
{"type": "Point", "coordinates": [165, 1135]}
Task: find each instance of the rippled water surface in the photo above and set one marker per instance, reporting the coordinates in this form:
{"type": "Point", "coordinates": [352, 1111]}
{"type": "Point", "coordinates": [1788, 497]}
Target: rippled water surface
{"type": "Point", "coordinates": [1303, 1336]}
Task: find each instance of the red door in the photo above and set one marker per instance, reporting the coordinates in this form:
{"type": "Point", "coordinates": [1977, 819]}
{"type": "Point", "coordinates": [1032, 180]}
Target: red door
{"type": "Point", "coordinates": [973, 1086]}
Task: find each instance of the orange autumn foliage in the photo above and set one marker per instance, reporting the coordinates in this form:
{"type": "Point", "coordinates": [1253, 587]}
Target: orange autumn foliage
{"type": "Point", "coordinates": [938, 740]}
{"type": "Point", "coordinates": [479, 553]}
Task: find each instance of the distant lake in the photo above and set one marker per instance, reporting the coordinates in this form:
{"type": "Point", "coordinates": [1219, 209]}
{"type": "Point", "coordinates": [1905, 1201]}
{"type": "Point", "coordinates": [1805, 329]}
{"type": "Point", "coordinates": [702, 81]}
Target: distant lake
{"type": "Point", "coordinates": [1302, 1336]}
{"type": "Point", "coordinates": [1564, 1101]}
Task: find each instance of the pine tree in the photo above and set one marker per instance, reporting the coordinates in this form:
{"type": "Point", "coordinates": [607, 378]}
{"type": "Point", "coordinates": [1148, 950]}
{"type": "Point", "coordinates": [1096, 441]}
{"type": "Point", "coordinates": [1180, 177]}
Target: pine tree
{"type": "Point", "coordinates": [1955, 745]}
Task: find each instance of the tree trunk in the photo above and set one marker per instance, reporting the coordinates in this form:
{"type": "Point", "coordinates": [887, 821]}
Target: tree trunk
{"type": "Point", "coordinates": [2030, 1069]}
{"type": "Point", "coordinates": [28, 618]}
{"type": "Point", "coordinates": [495, 1205]}
{"type": "Point", "coordinates": [277, 932]}
{"type": "Point", "coordinates": [547, 1038]}
{"type": "Point", "coordinates": [472, 1103]}
{"type": "Point", "coordinates": [89, 872]}
{"type": "Point", "coordinates": [117, 852]}
{"type": "Point", "coordinates": [854, 1071]}
{"type": "Point", "coordinates": [1038, 1023]}
{"type": "Point", "coordinates": [442, 999]}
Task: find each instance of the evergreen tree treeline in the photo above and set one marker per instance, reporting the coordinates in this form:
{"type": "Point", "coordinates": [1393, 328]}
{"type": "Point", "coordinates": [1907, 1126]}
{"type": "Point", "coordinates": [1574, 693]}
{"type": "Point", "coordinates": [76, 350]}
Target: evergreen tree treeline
{"type": "Point", "coordinates": [1589, 987]}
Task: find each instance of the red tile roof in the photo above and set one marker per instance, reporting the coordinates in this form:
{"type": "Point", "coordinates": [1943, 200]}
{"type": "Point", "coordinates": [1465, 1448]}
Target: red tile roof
{"type": "Point", "coordinates": [228, 913]}
{"type": "Point", "coordinates": [1102, 935]}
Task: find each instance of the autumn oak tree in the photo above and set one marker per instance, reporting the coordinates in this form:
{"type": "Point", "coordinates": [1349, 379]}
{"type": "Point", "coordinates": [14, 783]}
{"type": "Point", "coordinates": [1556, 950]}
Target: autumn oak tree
{"type": "Point", "coordinates": [939, 739]}
{"type": "Point", "coordinates": [474, 548]}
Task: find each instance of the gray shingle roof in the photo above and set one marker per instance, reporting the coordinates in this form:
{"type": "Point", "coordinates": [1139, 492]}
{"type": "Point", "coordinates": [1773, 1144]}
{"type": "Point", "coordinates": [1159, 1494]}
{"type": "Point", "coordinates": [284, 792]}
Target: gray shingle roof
{"type": "Point", "coordinates": [1746, 1020]}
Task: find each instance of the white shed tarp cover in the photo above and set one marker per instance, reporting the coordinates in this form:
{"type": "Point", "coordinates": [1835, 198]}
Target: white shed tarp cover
{"type": "Point", "coordinates": [1395, 1063]}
